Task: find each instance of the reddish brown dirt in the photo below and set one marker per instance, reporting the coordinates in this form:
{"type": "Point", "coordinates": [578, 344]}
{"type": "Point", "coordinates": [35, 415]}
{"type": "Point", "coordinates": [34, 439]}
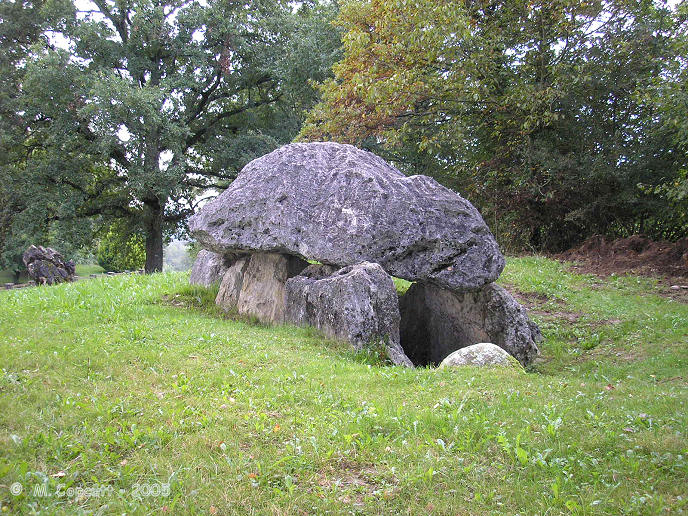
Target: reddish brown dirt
{"type": "Point", "coordinates": [667, 261]}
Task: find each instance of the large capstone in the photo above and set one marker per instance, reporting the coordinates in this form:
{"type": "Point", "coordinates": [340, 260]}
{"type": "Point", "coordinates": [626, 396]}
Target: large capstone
{"type": "Point", "coordinates": [46, 266]}
{"type": "Point", "coordinates": [340, 205]}
{"type": "Point", "coordinates": [357, 304]}
{"type": "Point", "coordinates": [436, 322]}
{"type": "Point", "coordinates": [209, 268]}
{"type": "Point", "coordinates": [254, 285]}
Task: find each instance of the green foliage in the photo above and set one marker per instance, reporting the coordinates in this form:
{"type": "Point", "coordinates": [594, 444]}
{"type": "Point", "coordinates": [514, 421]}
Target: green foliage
{"type": "Point", "coordinates": [136, 380]}
{"type": "Point", "coordinates": [120, 251]}
{"type": "Point", "coordinates": [11, 247]}
{"type": "Point", "coordinates": [401, 285]}
{"type": "Point", "coordinates": [20, 24]}
{"type": "Point", "coordinates": [193, 248]}
{"type": "Point", "coordinates": [669, 95]}
{"type": "Point", "coordinates": [9, 276]}
{"type": "Point", "coordinates": [146, 107]}
{"type": "Point", "coordinates": [533, 110]}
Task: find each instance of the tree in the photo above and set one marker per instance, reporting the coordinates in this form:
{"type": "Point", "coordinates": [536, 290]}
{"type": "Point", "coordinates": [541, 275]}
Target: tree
{"type": "Point", "coordinates": [20, 28]}
{"type": "Point", "coordinates": [529, 108]}
{"type": "Point", "coordinates": [132, 109]}
{"type": "Point", "coordinates": [669, 94]}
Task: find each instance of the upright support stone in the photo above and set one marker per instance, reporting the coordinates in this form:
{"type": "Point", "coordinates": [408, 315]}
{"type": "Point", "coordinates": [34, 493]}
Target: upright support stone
{"type": "Point", "coordinates": [232, 282]}
{"type": "Point", "coordinates": [255, 285]}
{"type": "Point", "coordinates": [357, 304]}
{"type": "Point", "coordinates": [209, 268]}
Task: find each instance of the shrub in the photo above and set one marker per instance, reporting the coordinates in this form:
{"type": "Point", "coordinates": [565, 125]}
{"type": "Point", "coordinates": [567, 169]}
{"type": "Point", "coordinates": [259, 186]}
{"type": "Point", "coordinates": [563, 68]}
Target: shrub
{"type": "Point", "coordinates": [121, 251]}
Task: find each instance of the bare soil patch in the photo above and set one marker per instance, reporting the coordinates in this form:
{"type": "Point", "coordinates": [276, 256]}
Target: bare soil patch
{"type": "Point", "coordinates": [666, 261]}
{"type": "Point", "coordinates": [362, 479]}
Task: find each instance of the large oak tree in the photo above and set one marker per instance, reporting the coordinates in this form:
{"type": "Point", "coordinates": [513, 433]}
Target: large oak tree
{"type": "Point", "coordinates": [132, 109]}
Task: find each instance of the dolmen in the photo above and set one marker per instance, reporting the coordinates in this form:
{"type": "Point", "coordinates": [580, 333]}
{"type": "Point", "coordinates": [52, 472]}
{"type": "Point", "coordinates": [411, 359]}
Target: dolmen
{"type": "Point", "coordinates": [46, 266]}
{"type": "Point", "coordinates": [313, 233]}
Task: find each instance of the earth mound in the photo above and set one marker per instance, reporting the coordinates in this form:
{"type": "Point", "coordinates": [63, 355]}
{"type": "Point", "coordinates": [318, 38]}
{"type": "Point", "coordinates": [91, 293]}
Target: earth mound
{"type": "Point", "coordinates": [603, 256]}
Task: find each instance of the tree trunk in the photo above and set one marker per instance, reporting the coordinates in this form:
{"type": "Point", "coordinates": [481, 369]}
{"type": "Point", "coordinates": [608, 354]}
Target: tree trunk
{"type": "Point", "coordinates": [535, 238]}
{"type": "Point", "coordinates": [154, 238]}
{"type": "Point", "coordinates": [154, 207]}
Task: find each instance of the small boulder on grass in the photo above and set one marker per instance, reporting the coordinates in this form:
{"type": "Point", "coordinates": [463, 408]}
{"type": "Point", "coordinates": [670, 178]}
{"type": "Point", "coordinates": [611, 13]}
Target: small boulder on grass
{"type": "Point", "coordinates": [46, 266]}
{"type": "Point", "coordinates": [481, 354]}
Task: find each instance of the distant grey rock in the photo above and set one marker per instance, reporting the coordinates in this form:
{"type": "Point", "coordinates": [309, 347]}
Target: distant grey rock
{"type": "Point", "coordinates": [46, 266]}
{"type": "Point", "coordinates": [435, 322]}
{"type": "Point", "coordinates": [357, 304]}
{"type": "Point", "coordinates": [209, 268]}
{"type": "Point", "coordinates": [481, 354]}
{"type": "Point", "coordinates": [340, 205]}
{"type": "Point", "coordinates": [255, 285]}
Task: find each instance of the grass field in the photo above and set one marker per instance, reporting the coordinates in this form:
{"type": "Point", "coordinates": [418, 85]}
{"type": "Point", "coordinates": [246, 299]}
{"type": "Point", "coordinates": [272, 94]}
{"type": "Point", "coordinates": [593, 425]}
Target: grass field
{"type": "Point", "coordinates": [131, 394]}
{"type": "Point", "coordinates": [86, 269]}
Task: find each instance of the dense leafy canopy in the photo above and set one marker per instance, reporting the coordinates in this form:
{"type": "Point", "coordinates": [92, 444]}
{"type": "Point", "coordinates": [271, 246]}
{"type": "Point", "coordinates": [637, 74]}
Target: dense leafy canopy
{"type": "Point", "coordinates": [19, 30]}
{"type": "Point", "coordinates": [670, 96]}
{"type": "Point", "coordinates": [131, 110]}
{"type": "Point", "coordinates": [536, 110]}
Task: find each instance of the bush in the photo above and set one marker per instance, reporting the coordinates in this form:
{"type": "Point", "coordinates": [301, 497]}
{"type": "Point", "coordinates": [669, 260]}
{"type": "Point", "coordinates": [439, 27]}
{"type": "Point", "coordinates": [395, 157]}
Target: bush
{"type": "Point", "coordinates": [119, 252]}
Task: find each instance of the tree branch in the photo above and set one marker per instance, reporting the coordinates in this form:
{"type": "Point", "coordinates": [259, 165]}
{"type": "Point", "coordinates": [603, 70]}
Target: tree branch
{"type": "Point", "coordinates": [119, 24]}
{"type": "Point", "coordinates": [201, 132]}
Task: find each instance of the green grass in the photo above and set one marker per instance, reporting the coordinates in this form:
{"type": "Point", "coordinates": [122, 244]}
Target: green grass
{"type": "Point", "coordinates": [86, 269]}
{"type": "Point", "coordinates": [137, 384]}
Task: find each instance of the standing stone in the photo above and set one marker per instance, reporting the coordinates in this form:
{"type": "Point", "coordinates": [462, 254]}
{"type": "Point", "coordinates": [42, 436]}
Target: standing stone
{"type": "Point", "coordinates": [232, 282]}
{"type": "Point", "coordinates": [357, 304]}
{"type": "Point", "coordinates": [209, 268]}
{"type": "Point", "coordinates": [46, 266]}
{"type": "Point", "coordinates": [481, 354]}
{"type": "Point", "coordinates": [436, 322]}
{"type": "Point", "coordinates": [340, 205]}
{"type": "Point", "coordinates": [255, 285]}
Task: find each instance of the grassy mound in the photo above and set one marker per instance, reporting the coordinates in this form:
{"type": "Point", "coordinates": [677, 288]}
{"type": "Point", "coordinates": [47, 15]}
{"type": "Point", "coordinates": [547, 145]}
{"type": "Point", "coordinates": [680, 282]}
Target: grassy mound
{"type": "Point", "coordinates": [133, 394]}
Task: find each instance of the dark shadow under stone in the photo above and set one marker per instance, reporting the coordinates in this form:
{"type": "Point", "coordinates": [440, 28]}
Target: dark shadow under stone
{"type": "Point", "coordinates": [435, 322]}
